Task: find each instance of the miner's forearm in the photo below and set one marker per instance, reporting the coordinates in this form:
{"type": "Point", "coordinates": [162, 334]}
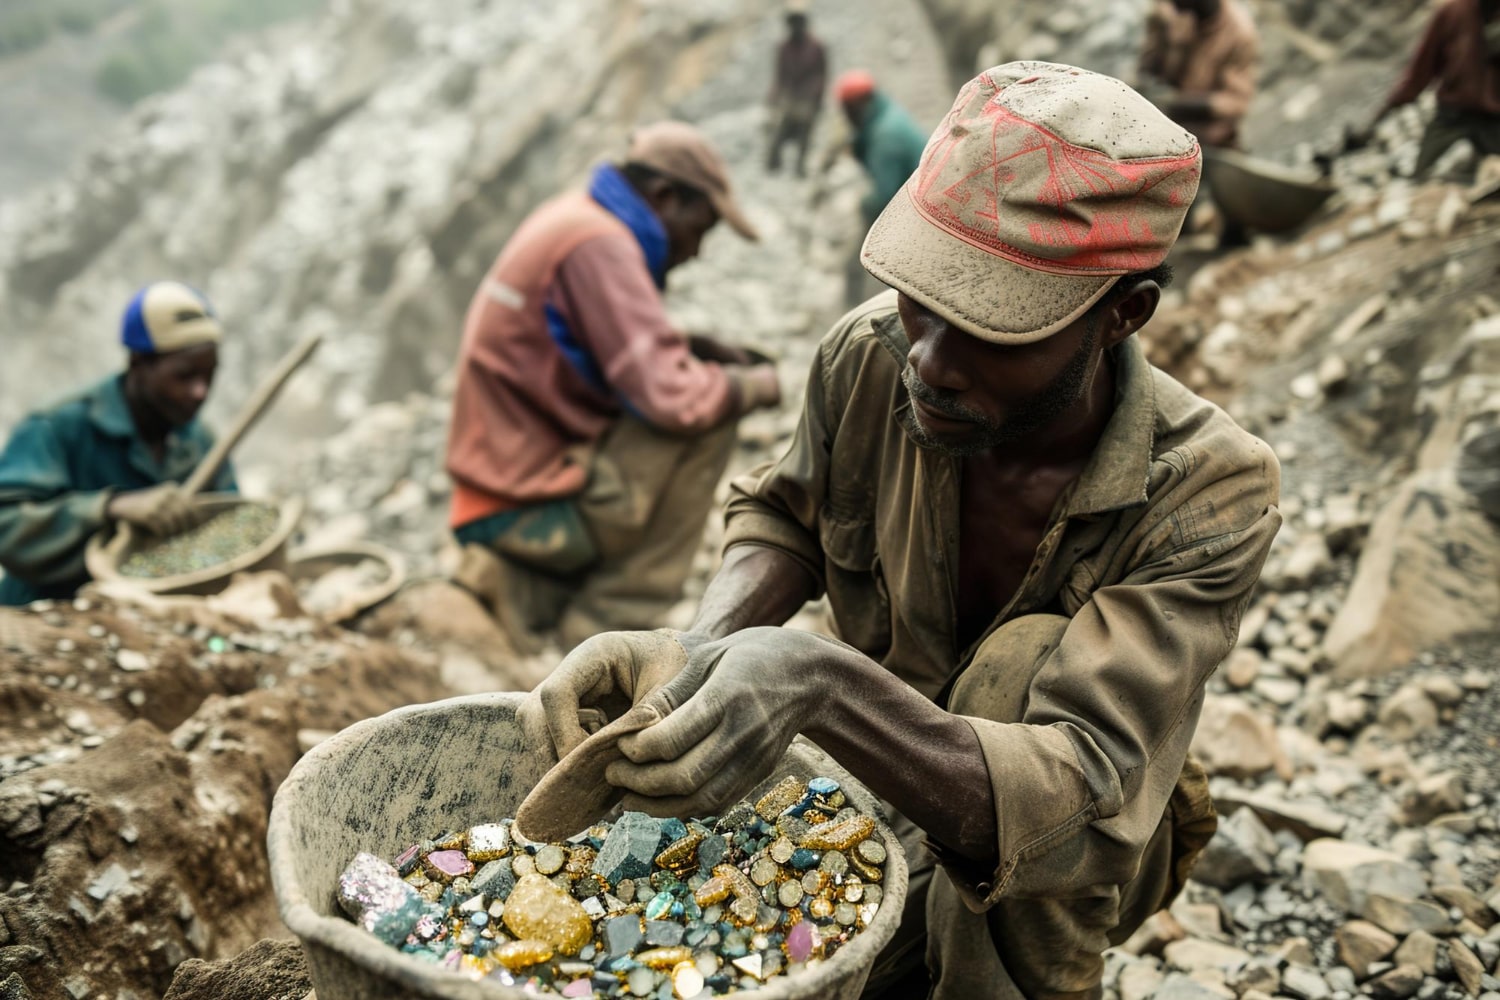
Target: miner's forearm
{"type": "Point", "coordinates": [755, 586]}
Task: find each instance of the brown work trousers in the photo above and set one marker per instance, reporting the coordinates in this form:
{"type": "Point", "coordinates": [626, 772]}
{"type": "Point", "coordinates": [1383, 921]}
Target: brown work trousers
{"type": "Point", "coordinates": [616, 555]}
{"type": "Point", "coordinates": [1036, 949]}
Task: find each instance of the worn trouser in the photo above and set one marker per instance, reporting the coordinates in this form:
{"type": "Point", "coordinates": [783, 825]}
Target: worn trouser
{"type": "Point", "coordinates": [1030, 948]}
{"type": "Point", "coordinates": [616, 555]}
{"type": "Point", "coordinates": [1448, 126]}
{"type": "Point", "coordinates": [794, 124]}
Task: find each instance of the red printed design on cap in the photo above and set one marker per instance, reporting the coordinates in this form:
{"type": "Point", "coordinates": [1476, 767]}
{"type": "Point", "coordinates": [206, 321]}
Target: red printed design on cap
{"type": "Point", "coordinates": [1042, 202]}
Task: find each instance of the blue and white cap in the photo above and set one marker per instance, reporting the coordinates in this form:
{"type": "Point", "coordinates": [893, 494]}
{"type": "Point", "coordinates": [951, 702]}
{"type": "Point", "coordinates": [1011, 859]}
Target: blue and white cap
{"type": "Point", "coordinates": [168, 316]}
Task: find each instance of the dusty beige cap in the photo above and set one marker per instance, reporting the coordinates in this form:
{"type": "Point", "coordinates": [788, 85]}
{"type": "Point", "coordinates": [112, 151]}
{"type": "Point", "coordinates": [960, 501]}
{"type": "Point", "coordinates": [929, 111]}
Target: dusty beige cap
{"type": "Point", "coordinates": [681, 152]}
{"type": "Point", "coordinates": [168, 316]}
{"type": "Point", "coordinates": [1043, 185]}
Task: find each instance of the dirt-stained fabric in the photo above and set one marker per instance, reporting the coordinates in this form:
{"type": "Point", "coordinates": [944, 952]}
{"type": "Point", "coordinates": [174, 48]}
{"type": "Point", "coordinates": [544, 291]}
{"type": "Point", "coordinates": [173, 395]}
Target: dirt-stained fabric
{"type": "Point", "coordinates": [1218, 58]}
{"type": "Point", "coordinates": [1151, 554]}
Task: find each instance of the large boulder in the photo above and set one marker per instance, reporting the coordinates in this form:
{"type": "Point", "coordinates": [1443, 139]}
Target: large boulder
{"type": "Point", "coordinates": [1348, 874]}
{"type": "Point", "coordinates": [1430, 571]}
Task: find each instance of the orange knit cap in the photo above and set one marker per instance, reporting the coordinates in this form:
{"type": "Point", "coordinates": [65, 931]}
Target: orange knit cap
{"type": "Point", "coordinates": [852, 85]}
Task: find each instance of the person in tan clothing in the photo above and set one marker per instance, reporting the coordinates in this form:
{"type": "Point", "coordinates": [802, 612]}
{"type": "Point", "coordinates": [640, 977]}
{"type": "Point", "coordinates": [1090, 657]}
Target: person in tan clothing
{"type": "Point", "coordinates": [588, 433]}
{"type": "Point", "coordinates": [1035, 547]}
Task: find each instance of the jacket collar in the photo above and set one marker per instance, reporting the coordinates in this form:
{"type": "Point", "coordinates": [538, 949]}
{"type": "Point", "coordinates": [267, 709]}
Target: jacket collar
{"type": "Point", "coordinates": [620, 198]}
{"type": "Point", "coordinates": [1118, 471]}
{"type": "Point", "coordinates": [108, 410]}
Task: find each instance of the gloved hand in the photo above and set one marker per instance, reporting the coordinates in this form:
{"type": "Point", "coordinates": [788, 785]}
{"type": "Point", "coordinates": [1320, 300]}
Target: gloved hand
{"type": "Point", "coordinates": [729, 717]}
{"type": "Point", "coordinates": [161, 510]}
{"type": "Point", "coordinates": [759, 387]}
{"type": "Point", "coordinates": [609, 672]}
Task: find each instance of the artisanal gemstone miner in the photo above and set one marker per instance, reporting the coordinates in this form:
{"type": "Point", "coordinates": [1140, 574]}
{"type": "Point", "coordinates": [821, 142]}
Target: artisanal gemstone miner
{"type": "Point", "coordinates": [523, 953]}
{"type": "Point", "coordinates": [715, 890]}
{"type": "Point", "coordinates": [488, 842]}
{"type": "Point", "coordinates": [622, 934]}
{"type": "Point", "coordinates": [802, 941]}
{"type": "Point", "coordinates": [682, 853]}
{"type": "Point", "coordinates": [687, 981]}
{"type": "Point", "coordinates": [372, 893]}
{"type": "Point", "coordinates": [629, 848]}
{"type": "Point", "coordinates": [790, 893]}
{"type": "Point", "coordinates": [445, 865]}
{"type": "Point", "coordinates": [750, 965]}
{"type": "Point", "coordinates": [820, 908]}
{"type": "Point", "coordinates": [538, 910]}
{"type": "Point", "coordinates": [787, 793]}
{"type": "Point", "coordinates": [763, 871]}
{"type": "Point", "coordinates": [522, 865]}
{"type": "Point", "coordinates": [550, 859]}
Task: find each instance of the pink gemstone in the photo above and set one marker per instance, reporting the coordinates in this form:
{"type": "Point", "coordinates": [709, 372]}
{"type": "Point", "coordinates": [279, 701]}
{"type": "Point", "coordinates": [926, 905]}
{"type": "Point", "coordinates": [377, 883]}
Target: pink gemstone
{"type": "Point", "coordinates": [409, 855]}
{"type": "Point", "coordinates": [578, 988]}
{"type": "Point", "coordinates": [800, 942]}
{"type": "Point", "coordinates": [451, 863]}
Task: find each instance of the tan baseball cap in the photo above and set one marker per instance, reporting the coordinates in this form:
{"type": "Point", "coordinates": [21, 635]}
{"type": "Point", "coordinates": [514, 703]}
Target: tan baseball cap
{"type": "Point", "coordinates": [1043, 185]}
{"type": "Point", "coordinates": [168, 316]}
{"type": "Point", "coordinates": [681, 152]}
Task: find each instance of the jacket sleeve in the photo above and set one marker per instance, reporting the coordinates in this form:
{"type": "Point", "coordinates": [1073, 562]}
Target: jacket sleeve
{"type": "Point", "coordinates": [1427, 60]}
{"type": "Point", "coordinates": [1082, 782]}
{"type": "Point", "coordinates": [44, 524]}
{"type": "Point", "coordinates": [605, 290]}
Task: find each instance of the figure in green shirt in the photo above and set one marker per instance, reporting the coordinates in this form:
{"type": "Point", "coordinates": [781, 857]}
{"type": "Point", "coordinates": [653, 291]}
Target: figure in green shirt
{"type": "Point", "coordinates": [114, 452]}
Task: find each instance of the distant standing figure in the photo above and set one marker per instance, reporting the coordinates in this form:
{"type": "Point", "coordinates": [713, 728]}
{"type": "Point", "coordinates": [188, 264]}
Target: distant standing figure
{"type": "Point", "coordinates": [796, 96]}
{"type": "Point", "coordinates": [1208, 52]}
{"type": "Point", "coordinates": [1460, 52]}
{"type": "Point", "coordinates": [113, 452]}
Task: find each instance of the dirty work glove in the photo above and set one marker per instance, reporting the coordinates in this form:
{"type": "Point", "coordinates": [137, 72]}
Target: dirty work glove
{"type": "Point", "coordinates": [161, 510]}
{"type": "Point", "coordinates": [609, 672]}
{"type": "Point", "coordinates": [759, 387]}
{"type": "Point", "coordinates": [728, 718]}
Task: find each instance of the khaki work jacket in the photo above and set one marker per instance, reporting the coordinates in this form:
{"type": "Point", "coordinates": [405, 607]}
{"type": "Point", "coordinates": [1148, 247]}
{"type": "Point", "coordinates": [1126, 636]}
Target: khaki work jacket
{"type": "Point", "coordinates": [1152, 553]}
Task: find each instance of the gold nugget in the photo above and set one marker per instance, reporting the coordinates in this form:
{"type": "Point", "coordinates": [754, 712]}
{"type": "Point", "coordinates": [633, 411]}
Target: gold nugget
{"type": "Point", "coordinates": [522, 954]}
{"type": "Point", "coordinates": [787, 793]}
{"type": "Point", "coordinates": [839, 835]}
{"type": "Point", "coordinates": [682, 852]}
{"type": "Point", "coordinates": [664, 958]}
{"type": "Point", "coordinates": [739, 884]}
{"type": "Point", "coordinates": [715, 890]}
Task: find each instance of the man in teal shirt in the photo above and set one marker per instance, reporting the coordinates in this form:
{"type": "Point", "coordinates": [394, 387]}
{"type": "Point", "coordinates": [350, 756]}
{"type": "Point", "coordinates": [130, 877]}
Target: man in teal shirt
{"type": "Point", "coordinates": [114, 452]}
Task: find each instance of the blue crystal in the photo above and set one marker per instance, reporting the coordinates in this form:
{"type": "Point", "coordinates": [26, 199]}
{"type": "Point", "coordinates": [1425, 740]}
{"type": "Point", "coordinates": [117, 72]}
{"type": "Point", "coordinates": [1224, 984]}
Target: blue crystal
{"type": "Point", "coordinates": [480, 920]}
{"type": "Point", "coordinates": [660, 905]}
{"type": "Point", "coordinates": [822, 786]}
{"type": "Point", "coordinates": [672, 829]}
{"type": "Point", "coordinates": [803, 859]}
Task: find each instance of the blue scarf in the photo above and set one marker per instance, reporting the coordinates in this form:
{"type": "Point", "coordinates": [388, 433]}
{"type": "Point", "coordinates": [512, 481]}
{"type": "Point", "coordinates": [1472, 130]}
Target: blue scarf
{"type": "Point", "coordinates": [611, 190]}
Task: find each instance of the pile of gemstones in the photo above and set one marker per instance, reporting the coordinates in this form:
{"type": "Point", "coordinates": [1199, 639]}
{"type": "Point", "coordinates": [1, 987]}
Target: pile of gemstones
{"type": "Point", "coordinates": [217, 540]}
{"type": "Point", "coordinates": [637, 907]}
